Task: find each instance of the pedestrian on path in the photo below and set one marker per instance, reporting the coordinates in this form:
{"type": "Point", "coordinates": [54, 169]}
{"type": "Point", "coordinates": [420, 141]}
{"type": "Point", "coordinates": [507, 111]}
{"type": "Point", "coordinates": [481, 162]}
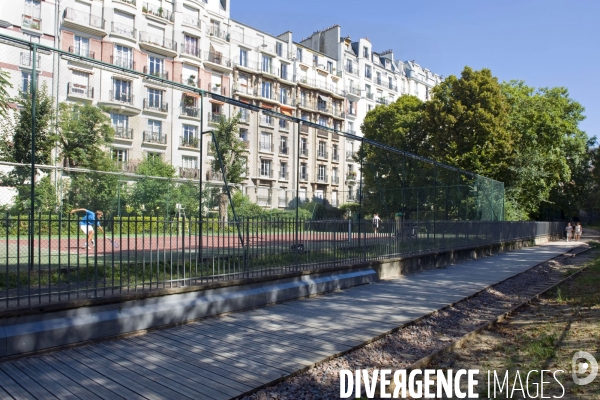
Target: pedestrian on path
{"type": "Point", "coordinates": [86, 224]}
{"type": "Point", "coordinates": [578, 231]}
{"type": "Point", "coordinates": [376, 222]}
{"type": "Point", "coordinates": [569, 230]}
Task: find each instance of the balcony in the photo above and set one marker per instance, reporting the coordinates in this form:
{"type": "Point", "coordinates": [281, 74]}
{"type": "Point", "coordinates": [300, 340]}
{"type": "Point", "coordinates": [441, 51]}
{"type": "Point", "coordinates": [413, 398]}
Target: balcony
{"type": "Point", "coordinates": [218, 33]}
{"type": "Point", "coordinates": [266, 173]}
{"type": "Point", "coordinates": [245, 117]}
{"type": "Point", "coordinates": [214, 176]}
{"type": "Point", "coordinates": [284, 125]}
{"type": "Point", "coordinates": [189, 142]}
{"type": "Point", "coordinates": [157, 138]}
{"type": "Point", "coordinates": [191, 112]}
{"type": "Point", "coordinates": [322, 178]}
{"type": "Point", "coordinates": [158, 44]}
{"type": "Point", "coordinates": [303, 151]}
{"type": "Point", "coordinates": [27, 61]}
{"type": "Point", "coordinates": [156, 105]}
{"type": "Point", "coordinates": [267, 120]}
{"type": "Point", "coordinates": [123, 62]}
{"type": "Point", "coordinates": [246, 143]}
{"type": "Point", "coordinates": [78, 91]}
{"type": "Point", "coordinates": [217, 61]}
{"type": "Point", "coordinates": [191, 50]}
{"type": "Point", "coordinates": [284, 150]}
{"type": "Point", "coordinates": [120, 97]}
{"type": "Point", "coordinates": [191, 21]}
{"type": "Point", "coordinates": [351, 69]}
{"type": "Point", "coordinates": [351, 177]}
{"type": "Point", "coordinates": [383, 100]}
{"type": "Point", "coordinates": [353, 91]}
{"type": "Point", "coordinates": [269, 96]}
{"type": "Point", "coordinates": [157, 12]}
{"type": "Point", "coordinates": [350, 155]}
{"type": "Point", "coordinates": [82, 52]}
{"type": "Point", "coordinates": [189, 173]}
{"type": "Point", "coordinates": [214, 118]}
{"type": "Point", "coordinates": [82, 21]}
{"type": "Point", "coordinates": [218, 89]}
{"type": "Point", "coordinates": [283, 175]}
{"type": "Point", "coordinates": [282, 201]}
{"type": "Point", "coordinates": [265, 146]}
{"type": "Point", "coordinates": [189, 80]}
{"type": "Point", "coordinates": [287, 100]}
{"type": "Point", "coordinates": [157, 74]}
{"type": "Point", "coordinates": [335, 157]}
{"type": "Point", "coordinates": [370, 96]}
{"type": "Point", "coordinates": [31, 23]}
{"type": "Point", "coordinates": [322, 133]}
{"type": "Point", "coordinates": [130, 2]}
{"type": "Point", "coordinates": [129, 167]}
{"type": "Point", "coordinates": [123, 133]}
{"type": "Point", "coordinates": [123, 30]}
{"type": "Point", "coordinates": [351, 198]}
{"type": "Point", "coordinates": [323, 154]}
{"type": "Point", "coordinates": [285, 75]}
{"type": "Point", "coordinates": [335, 180]}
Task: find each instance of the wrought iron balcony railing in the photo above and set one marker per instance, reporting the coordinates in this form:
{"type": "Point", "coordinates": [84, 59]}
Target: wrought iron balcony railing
{"type": "Point", "coordinates": [75, 89]}
{"type": "Point", "coordinates": [83, 18]}
{"type": "Point", "coordinates": [157, 40]}
{"type": "Point", "coordinates": [121, 97]}
{"type": "Point", "coordinates": [123, 30]}
{"type": "Point", "coordinates": [156, 105]}
{"type": "Point", "coordinates": [158, 74]}
{"type": "Point", "coordinates": [193, 112]}
{"type": "Point", "coordinates": [155, 137]}
{"type": "Point", "coordinates": [122, 132]}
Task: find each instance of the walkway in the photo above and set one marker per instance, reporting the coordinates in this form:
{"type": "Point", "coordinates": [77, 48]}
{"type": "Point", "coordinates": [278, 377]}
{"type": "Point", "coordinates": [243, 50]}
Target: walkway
{"type": "Point", "coordinates": [223, 357]}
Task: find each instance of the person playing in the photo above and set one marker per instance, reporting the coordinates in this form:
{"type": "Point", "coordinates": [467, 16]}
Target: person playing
{"type": "Point", "coordinates": [578, 231]}
{"type": "Point", "coordinates": [569, 230]}
{"type": "Point", "coordinates": [376, 222]}
{"type": "Point", "coordinates": [86, 224]}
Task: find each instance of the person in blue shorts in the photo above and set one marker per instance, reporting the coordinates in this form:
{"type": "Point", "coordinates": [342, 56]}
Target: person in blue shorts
{"type": "Point", "coordinates": [86, 224]}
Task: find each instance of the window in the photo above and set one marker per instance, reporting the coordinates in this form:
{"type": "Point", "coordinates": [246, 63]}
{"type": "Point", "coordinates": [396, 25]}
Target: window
{"type": "Point", "coordinates": [279, 49]}
{"type": "Point", "coordinates": [265, 141]}
{"type": "Point", "coordinates": [322, 173]}
{"type": "Point", "coordinates": [244, 115]}
{"type": "Point", "coordinates": [365, 52]}
{"type": "Point", "coordinates": [266, 63]}
{"type": "Point", "coordinates": [351, 107]}
{"type": "Point", "coordinates": [123, 56]}
{"type": "Point", "coordinates": [119, 121]}
{"type": "Point", "coordinates": [330, 67]}
{"type": "Point", "coordinates": [349, 66]}
{"type": "Point", "coordinates": [369, 107]}
{"type": "Point", "coordinates": [154, 126]}
{"type": "Point", "coordinates": [303, 100]}
{"type": "Point", "coordinates": [315, 59]}
{"type": "Point", "coordinates": [303, 146]}
{"type": "Point", "coordinates": [299, 54]}
{"type": "Point", "coordinates": [155, 98]}
{"type": "Point", "coordinates": [189, 162]}
{"type": "Point", "coordinates": [153, 156]}
{"type": "Point", "coordinates": [283, 170]}
{"type": "Point", "coordinates": [368, 92]}
{"type": "Point", "coordinates": [283, 95]}
{"type": "Point", "coordinates": [284, 74]}
{"type": "Point", "coordinates": [391, 82]}
{"type": "Point", "coordinates": [350, 126]}
{"type": "Point", "coordinates": [244, 134]}
{"type": "Point", "coordinates": [79, 83]}
{"type": "Point", "coordinates": [265, 167]}
{"type": "Point", "coordinates": [190, 135]}
{"type": "Point", "coordinates": [244, 57]}
{"type": "Point", "coordinates": [266, 89]}
{"type": "Point", "coordinates": [190, 45]}
{"type": "Point", "coordinates": [379, 78]}
{"type": "Point", "coordinates": [321, 104]}
{"type": "Point", "coordinates": [119, 155]}
{"type": "Point", "coordinates": [156, 66]}
{"type": "Point", "coordinates": [334, 151]}
{"type": "Point", "coordinates": [216, 83]}
{"type": "Point", "coordinates": [122, 90]}
{"type": "Point", "coordinates": [283, 144]}
{"type": "Point", "coordinates": [334, 173]}
{"type": "Point", "coordinates": [322, 150]}
{"type": "Point", "coordinates": [33, 8]}
{"type": "Point", "coordinates": [215, 27]}
{"type": "Point", "coordinates": [322, 121]}
{"type": "Point", "coordinates": [81, 46]}
{"type": "Point", "coordinates": [368, 71]}
{"type": "Point", "coordinates": [283, 124]}
{"type": "Point", "coordinates": [304, 173]}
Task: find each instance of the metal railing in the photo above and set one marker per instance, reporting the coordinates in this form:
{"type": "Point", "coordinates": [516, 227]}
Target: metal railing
{"type": "Point", "coordinates": [155, 137]}
{"type": "Point", "coordinates": [191, 21]}
{"type": "Point", "coordinates": [283, 174]}
{"type": "Point", "coordinates": [216, 32]}
{"type": "Point", "coordinates": [265, 146]}
{"type": "Point", "coordinates": [82, 52]}
{"type": "Point", "coordinates": [26, 60]}
{"type": "Point", "coordinates": [159, 74]}
{"type": "Point", "coordinates": [335, 180]}
{"type": "Point", "coordinates": [30, 22]}
{"type": "Point", "coordinates": [304, 151]}
{"type": "Point", "coordinates": [217, 58]}
{"type": "Point", "coordinates": [124, 62]}
{"type": "Point", "coordinates": [123, 133]}
{"type": "Point", "coordinates": [159, 12]}
{"type": "Point", "coordinates": [214, 176]}
{"type": "Point", "coordinates": [156, 105]}
{"type": "Point", "coordinates": [322, 154]}
{"type": "Point", "coordinates": [83, 18]}
{"type": "Point", "coordinates": [322, 178]}
{"type": "Point", "coordinates": [189, 173]}
{"type": "Point", "coordinates": [192, 50]}
{"type": "Point", "coordinates": [193, 112]}
{"type": "Point", "coordinates": [267, 120]}
{"type": "Point", "coordinates": [121, 97]}
{"type": "Point", "coordinates": [284, 150]}
{"type": "Point", "coordinates": [214, 118]}
{"type": "Point", "coordinates": [75, 89]}
{"type": "Point", "coordinates": [335, 156]}
{"type": "Point", "coordinates": [304, 176]}
{"type": "Point", "coordinates": [157, 40]}
{"type": "Point", "coordinates": [266, 172]}
{"type": "Point", "coordinates": [123, 30]}
{"type": "Point", "coordinates": [350, 154]}
{"type": "Point", "coordinates": [190, 142]}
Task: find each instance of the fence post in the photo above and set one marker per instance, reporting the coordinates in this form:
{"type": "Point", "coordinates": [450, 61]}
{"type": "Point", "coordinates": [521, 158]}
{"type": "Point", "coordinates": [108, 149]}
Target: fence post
{"type": "Point", "coordinates": [33, 91]}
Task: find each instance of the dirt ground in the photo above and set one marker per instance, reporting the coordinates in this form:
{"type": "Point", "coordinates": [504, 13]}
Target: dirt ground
{"type": "Point", "coordinates": [543, 336]}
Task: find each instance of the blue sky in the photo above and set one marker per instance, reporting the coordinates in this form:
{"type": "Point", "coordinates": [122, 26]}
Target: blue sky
{"type": "Point", "coordinates": [543, 42]}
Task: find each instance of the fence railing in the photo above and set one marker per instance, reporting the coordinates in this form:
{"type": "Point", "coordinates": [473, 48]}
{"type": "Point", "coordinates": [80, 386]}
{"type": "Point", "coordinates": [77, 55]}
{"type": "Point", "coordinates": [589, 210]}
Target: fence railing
{"type": "Point", "coordinates": [143, 253]}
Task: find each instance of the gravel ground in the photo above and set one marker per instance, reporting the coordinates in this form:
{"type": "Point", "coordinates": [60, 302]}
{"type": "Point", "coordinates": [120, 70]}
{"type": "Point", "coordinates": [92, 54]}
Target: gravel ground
{"type": "Point", "coordinates": [404, 347]}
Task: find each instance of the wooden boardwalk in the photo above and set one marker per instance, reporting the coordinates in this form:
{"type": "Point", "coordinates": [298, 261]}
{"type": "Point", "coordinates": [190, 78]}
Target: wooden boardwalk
{"type": "Point", "coordinates": [221, 358]}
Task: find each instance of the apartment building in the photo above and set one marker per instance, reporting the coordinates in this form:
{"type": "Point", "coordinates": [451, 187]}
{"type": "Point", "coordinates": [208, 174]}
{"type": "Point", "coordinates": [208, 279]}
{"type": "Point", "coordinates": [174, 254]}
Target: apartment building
{"type": "Point", "coordinates": [326, 80]}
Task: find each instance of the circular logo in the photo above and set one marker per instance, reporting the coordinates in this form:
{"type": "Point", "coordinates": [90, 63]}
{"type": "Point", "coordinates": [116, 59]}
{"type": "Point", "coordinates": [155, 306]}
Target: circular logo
{"type": "Point", "coordinates": [583, 367]}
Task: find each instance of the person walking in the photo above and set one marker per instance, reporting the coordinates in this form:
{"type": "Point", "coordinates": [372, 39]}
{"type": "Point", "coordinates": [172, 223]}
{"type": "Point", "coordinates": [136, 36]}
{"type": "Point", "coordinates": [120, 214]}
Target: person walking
{"type": "Point", "coordinates": [86, 224]}
{"type": "Point", "coordinates": [376, 223]}
{"type": "Point", "coordinates": [578, 231]}
{"type": "Point", "coordinates": [569, 230]}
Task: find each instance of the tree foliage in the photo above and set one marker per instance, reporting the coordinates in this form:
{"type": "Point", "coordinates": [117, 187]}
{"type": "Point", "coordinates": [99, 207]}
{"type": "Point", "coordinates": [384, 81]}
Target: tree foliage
{"type": "Point", "coordinates": [232, 150]}
{"type": "Point", "coordinates": [155, 196]}
{"type": "Point", "coordinates": [5, 100]}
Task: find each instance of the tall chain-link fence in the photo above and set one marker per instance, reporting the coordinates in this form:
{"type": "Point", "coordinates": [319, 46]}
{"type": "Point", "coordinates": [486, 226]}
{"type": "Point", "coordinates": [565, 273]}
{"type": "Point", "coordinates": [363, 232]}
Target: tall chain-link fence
{"type": "Point", "coordinates": [195, 182]}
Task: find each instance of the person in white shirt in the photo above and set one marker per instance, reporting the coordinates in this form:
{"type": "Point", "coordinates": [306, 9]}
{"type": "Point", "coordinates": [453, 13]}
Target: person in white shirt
{"type": "Point", "coordinates": [569, 230]}
{"type": "Point", "coordinates": [376, 222]}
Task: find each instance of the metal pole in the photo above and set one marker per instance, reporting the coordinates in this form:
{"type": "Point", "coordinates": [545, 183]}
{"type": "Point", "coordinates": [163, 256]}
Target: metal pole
{"type": "Point", "coordinates": [296, 227]}
{"type": "Point", "coordinates": [360, 192]}
{"type": "Point", "coordinates": [33, 91]}
{"type": "Point", "coordinates": [201, 137]}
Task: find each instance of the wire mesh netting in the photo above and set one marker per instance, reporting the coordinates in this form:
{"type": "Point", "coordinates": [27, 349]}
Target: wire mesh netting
{"type": "Point", "coordinates": [195, 183]}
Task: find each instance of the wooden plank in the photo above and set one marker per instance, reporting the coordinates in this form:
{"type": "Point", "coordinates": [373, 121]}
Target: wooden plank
{"type": "Point", "coordinates": [13, 388]}
{"type": "Point", "coordinates": [48, 384]}
{"type": "Point", "coordinates": [246, 372]}
{"type": "Point", "coordinates": [65, 381]}
{"type": "Point", "coordinates": [213, 385]}
{"type": "Point", "coordinates": [87, 377]}
{"type": "Point", "coordinates": [25, 381]}
{"type": "Point", "coordinates": [122, 376]}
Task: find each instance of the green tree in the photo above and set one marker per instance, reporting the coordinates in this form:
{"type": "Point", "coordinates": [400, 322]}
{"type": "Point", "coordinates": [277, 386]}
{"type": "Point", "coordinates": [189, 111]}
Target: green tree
{"type": "Point", "coordinates": [5, 99]}
{"type": "Point", "coordinates": [468, 122]}
{"type": "Point", "coordinates": [155, 196]}
{"type": "Point", "coordinates": [552, 155]}
{"type": "Point", "coordinates": [233, 157]}
{"type": "Point", "coordinates": [84, 131]}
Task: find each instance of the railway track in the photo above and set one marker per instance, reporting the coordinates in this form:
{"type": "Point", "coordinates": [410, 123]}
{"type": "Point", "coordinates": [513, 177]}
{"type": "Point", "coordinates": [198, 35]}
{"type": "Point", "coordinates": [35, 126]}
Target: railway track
{"type": "Point", "coordinates": [419, 343]}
